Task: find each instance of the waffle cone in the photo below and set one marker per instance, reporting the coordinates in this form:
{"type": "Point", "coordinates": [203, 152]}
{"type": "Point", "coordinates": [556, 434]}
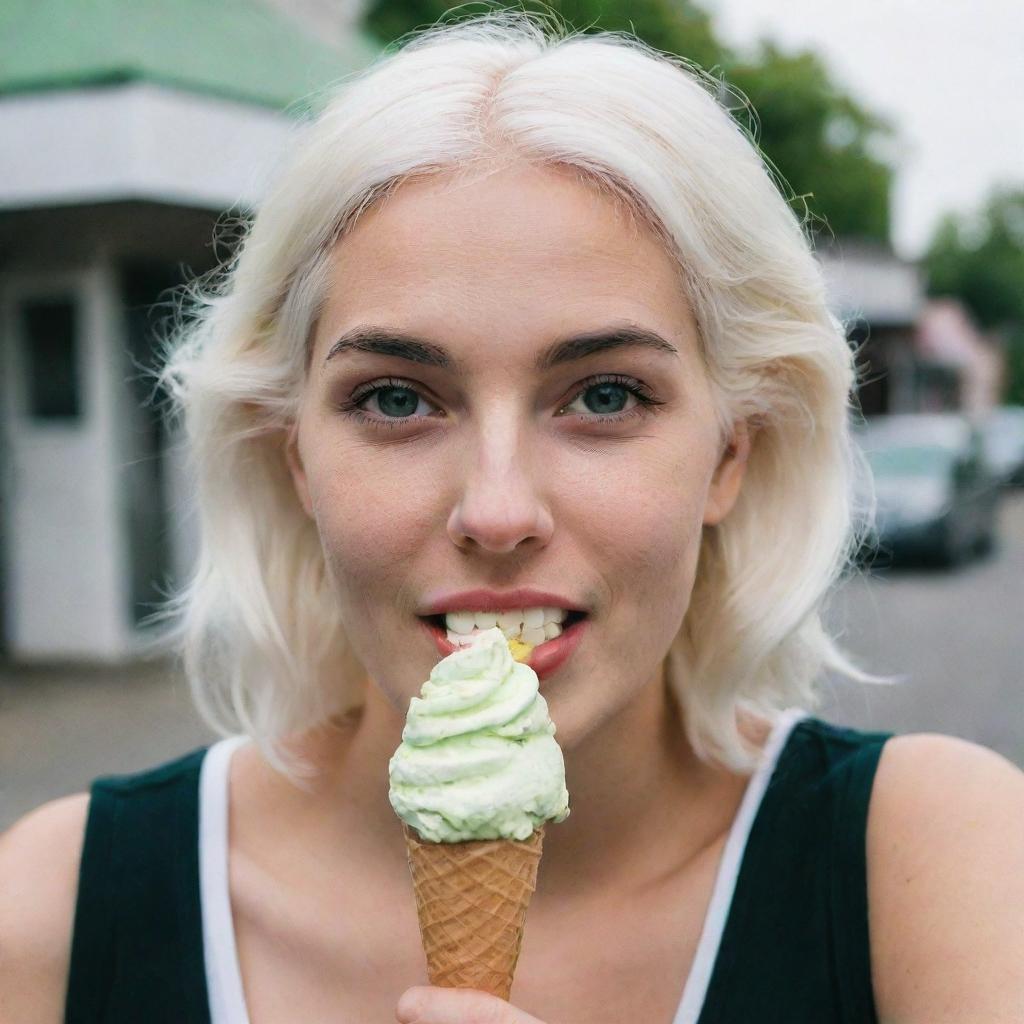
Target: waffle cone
{"type": "Point", "coordinates": [471, 899]}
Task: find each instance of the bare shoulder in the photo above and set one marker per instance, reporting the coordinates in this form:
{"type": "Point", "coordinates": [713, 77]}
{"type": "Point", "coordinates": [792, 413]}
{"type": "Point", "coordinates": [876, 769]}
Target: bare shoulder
{"type": "Point", "coordinates": [39, 859]}
{"type": "Point", "coordinates": [946, 883]}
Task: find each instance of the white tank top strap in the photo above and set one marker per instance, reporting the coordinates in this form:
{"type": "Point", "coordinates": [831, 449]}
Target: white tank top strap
{"type": "Point", "coordinates": [695, 992]}
{"type": "Point", "coordinates": [220, 954]}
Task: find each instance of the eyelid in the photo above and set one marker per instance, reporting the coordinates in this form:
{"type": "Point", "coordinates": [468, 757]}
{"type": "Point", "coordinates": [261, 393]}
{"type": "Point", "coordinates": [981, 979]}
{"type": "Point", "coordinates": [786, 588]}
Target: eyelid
{"type": "Point", "coordinates": [380, 383]}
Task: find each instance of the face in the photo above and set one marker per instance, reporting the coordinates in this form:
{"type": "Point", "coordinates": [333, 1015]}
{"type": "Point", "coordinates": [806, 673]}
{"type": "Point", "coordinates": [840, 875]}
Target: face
{"type": "Point", "coordinates": [490, 453]}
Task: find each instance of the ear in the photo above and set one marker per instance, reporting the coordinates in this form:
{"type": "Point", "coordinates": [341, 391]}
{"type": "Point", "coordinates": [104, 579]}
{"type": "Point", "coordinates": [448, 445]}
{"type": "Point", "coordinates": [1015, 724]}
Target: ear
{"type": "Point", "coordinates": [297, 469]}
{"type": "Point", "coordinates": [728, 475]}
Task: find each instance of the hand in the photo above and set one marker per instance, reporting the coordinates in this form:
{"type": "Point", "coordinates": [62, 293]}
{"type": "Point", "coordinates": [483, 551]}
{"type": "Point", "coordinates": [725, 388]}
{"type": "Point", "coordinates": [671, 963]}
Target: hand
{"type": "Point", "coordinates": [428, 1005]}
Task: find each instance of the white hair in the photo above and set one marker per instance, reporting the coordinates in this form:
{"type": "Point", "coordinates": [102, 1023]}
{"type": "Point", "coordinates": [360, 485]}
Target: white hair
{"type": "Point", "coordinates": [258, 626]}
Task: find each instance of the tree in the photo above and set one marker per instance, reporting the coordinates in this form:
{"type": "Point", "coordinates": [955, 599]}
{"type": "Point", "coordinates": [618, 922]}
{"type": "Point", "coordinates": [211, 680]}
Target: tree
{"type": "Point", "coordinates": [821, 144]}
{"type": "Point", "coordinates": [661, 23]}
{"type": "Point", "coordinates": [820, 140]}
{"type": "Point", "coordinates": [979, 258]}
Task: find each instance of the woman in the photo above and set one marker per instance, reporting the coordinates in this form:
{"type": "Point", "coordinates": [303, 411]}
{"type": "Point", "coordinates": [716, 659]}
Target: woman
{"type": "Point", "coordinates": [525, 325]}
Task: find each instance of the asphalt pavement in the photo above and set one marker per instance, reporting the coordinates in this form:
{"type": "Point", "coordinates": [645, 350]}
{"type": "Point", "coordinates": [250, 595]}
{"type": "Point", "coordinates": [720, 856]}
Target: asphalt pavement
{"type": "Point", "coordinates": [956, 635]}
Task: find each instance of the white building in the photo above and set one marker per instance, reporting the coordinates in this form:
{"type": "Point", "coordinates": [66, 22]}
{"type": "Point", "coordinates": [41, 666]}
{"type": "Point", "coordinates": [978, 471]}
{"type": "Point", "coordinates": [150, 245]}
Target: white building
{"type": "Point", "coordinates": [128, 128]}
{"type": "Point", "coordinates": [879, 297]}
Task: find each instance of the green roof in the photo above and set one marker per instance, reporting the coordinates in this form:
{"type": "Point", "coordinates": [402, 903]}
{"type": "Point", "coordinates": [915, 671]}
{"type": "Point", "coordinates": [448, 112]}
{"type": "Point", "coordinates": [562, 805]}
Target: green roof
{"type": "Point", "coordinates": [239, 49]}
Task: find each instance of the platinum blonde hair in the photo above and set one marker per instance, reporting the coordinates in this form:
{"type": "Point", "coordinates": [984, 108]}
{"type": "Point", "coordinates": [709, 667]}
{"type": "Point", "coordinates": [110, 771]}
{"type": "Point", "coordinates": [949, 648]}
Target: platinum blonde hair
{"type": "Point", "coordinates": [258, 627]}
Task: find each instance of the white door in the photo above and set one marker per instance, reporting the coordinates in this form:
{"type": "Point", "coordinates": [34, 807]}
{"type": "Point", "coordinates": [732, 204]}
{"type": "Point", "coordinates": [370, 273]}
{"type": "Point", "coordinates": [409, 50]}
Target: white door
{"type": "Point", "coordinates": [63, 540]}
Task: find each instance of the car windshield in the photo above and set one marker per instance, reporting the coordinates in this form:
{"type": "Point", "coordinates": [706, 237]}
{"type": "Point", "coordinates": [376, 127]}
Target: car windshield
{"type": "Point", "coordinates": [917, 460]}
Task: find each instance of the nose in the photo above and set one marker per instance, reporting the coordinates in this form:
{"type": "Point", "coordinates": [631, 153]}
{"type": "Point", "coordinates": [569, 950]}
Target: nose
{"type": "Point", "coordinates": [500, 507]}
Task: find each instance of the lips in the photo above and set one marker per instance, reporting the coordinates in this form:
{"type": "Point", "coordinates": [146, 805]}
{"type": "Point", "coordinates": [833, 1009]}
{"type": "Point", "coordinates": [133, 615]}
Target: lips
{"type": "Point", "coordinates": [545, 659]}
{"type": "Point", "coordinates": [482, 600]}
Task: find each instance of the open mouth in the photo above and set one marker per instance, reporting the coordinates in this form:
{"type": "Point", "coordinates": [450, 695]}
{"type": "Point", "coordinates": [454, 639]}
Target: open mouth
{"type": "Point", "coordinates": [545, 658]}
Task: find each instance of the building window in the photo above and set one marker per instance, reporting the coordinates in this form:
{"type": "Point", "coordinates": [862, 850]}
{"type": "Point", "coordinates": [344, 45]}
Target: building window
{"type": "Point", "coordinates": [50, 359]}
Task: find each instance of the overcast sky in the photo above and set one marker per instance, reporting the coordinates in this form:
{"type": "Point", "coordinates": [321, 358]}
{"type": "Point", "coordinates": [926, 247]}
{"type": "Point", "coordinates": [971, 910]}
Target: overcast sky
{"type": "Point", "coordinates": [950, 73]}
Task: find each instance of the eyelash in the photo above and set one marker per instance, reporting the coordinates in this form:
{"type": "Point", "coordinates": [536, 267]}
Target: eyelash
{"type": "Point", "coordinates": [645, 400]}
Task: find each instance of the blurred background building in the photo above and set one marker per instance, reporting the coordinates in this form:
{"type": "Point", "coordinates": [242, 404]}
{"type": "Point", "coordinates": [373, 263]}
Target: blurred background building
{"type": "Point", "coordinates": [130, 127]}
{"type": "Point", "coordinates": [918, 354]}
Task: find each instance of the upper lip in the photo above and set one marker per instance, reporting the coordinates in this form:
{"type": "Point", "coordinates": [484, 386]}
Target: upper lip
{"type": "Point", "coordinates": [483, 600]}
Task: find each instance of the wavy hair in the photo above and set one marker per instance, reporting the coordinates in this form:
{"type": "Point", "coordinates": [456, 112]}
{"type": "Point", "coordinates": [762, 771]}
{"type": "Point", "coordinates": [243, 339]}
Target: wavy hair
{"type": "Point", "coordinates": [257, 626]}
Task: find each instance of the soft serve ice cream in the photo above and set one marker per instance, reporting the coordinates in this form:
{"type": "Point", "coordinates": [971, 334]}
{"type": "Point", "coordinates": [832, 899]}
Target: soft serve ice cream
{"type": "Point", "coordinates": [478, 758]}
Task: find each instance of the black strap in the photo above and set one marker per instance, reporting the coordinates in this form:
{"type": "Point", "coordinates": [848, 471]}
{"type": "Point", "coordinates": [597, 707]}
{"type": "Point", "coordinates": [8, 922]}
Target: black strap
{"type": "Point", "coordinates": [848, 890]}
{"type": "Point", "coordinates": [137, 946]}
{"type": "Point", "coordinates": [795, 949]}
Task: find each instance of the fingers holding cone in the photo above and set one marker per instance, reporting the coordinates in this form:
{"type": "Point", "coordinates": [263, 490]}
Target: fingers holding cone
{"type": "Point", "coordinates": [426, 1005]}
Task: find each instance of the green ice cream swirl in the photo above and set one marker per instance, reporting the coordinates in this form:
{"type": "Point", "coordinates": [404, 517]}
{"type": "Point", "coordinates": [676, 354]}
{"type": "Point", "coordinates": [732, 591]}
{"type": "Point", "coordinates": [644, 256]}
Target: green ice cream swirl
{"type": "Point", "coordinates": [478, 758]}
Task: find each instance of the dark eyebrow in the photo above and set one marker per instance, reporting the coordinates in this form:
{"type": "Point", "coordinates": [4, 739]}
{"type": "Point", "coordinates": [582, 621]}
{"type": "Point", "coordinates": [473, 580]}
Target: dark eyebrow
{"type": "Point", "coordinates": [388, 342]}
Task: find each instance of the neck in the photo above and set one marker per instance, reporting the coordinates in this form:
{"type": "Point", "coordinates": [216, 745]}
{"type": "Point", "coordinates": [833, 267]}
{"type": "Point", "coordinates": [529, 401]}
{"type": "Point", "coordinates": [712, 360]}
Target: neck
{"type": "Point", "coordinates": [642, 804]}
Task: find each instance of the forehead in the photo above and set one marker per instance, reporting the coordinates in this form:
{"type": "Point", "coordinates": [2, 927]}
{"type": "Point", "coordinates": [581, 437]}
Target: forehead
{"type": "Point", "coordinates": [534, 247]}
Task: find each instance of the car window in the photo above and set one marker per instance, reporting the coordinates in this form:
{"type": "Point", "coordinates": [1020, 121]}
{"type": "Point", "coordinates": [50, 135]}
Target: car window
{"type": "Point", "coordinates": [923, 460]}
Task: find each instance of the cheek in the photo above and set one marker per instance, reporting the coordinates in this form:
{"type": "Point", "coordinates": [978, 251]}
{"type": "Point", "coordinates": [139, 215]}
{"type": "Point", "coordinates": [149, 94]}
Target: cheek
{"type": "Point", "coordinates": [372, 519]}
{"type": "Point", "coordinates": [642, 511]}
{"type": "Point", "coordinates": [658, 563]}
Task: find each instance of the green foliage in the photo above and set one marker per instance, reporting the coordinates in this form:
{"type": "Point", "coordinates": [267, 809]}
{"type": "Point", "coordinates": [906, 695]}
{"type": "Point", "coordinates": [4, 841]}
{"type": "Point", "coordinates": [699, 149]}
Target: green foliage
{"type": "Point", "coordinates": [1015, 367]}
{"type": "Point", "coordinates": [819, 140]}
{"type": "Point", "coordinates": [661, 23]}
{"type": "Point", "coordinates": [979, 258]}
{"type": "Point", "coordinates": [821, 144]}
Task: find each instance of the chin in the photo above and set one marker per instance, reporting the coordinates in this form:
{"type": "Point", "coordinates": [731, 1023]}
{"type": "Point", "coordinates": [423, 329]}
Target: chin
{"type": "Point", "coordinates": [575, 725]}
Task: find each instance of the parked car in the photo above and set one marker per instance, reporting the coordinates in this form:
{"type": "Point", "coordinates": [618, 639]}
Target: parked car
{"type": "Point", "coordinates": [936, 494]}
{"type": "Point", "coordinates": [1003, 440]}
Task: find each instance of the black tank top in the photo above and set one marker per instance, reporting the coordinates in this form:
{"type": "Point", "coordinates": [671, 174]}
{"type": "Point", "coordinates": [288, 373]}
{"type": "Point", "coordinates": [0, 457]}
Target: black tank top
{"type": "Point", "coordinates": [795, 947]}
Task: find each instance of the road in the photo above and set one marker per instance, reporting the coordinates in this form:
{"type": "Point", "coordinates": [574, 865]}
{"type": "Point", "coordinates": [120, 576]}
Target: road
{"type": "Point", "coordinates": [60, 728]}
{"type": "Point", "coordinates": [957, 637]}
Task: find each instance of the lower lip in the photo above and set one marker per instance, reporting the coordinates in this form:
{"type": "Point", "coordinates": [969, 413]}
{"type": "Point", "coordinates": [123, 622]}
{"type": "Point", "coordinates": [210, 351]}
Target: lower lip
{"type": "Point", "coordinates": [545, 659]}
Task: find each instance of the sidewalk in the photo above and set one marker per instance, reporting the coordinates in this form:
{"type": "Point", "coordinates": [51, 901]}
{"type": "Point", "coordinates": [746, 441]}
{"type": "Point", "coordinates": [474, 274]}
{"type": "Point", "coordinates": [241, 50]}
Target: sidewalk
{"type": "Point", "coordinates": [62, 726]}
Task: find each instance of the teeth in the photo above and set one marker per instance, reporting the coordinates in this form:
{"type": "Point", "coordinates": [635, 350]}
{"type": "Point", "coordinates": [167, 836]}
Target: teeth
{"type": "Point", "coordinates": [531, 625]}
{"type": "Point", "coordinates": [460, 622]}
{"type": "Point", "coordinates": [512, 619]}
{"type": "Point", "coordinates": [533, 618]}
{"type": "Point", "coordinates": [533, 637]}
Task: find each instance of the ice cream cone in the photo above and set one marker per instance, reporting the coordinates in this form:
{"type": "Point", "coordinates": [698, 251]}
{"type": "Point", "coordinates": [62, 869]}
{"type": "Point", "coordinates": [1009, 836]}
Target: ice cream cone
{"type": "Point", "coordinates": [471, 899]}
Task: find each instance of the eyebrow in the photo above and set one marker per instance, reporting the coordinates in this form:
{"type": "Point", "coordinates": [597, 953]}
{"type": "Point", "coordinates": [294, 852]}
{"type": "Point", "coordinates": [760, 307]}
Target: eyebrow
{"type": "Point", "coordinates": [388, 342]}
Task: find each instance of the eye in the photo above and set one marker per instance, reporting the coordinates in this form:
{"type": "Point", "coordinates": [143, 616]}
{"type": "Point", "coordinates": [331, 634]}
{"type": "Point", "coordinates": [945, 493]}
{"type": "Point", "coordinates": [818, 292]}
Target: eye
{"type": "Point", "coordinates": [608, 397]}
{"type": "Point", "coordinates": [396, 402]}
